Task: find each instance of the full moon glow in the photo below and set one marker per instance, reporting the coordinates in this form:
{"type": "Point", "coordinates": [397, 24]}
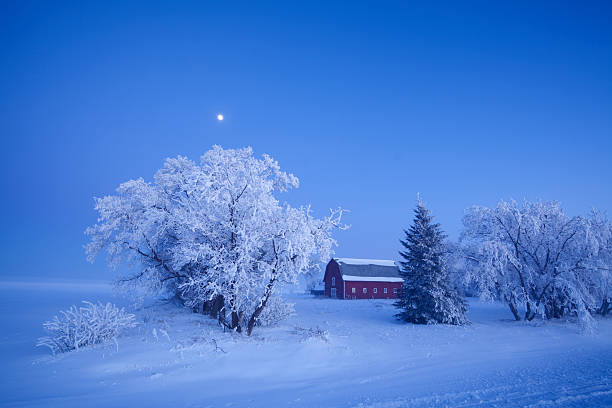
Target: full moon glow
{"type": "Point", "coordinates": [219, 117]}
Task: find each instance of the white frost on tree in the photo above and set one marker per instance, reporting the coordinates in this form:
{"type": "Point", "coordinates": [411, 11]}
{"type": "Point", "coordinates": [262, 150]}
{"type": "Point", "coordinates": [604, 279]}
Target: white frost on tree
{"type": "Point", "coordinates": [537, 259]}
{"type": "Point", "coordinates": [213, 233]}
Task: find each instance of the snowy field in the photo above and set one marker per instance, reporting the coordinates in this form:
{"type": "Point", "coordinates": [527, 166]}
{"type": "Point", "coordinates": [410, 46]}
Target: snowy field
{"type": "Point", "coordinates": [366, 359]}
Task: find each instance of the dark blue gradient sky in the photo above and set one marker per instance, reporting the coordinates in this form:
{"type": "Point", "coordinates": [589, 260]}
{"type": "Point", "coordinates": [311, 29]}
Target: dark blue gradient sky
{"type": "Point", "coordinates": [367, 103]}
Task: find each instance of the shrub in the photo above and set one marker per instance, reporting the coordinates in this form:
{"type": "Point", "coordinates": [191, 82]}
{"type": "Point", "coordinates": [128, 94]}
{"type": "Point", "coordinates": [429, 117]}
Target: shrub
{"type": "Point", "coordinates": [275, 311]}
{"type": "Point", "coordinates": [310, 333]}
{"type": "Point", "coordinates": [84, 326]}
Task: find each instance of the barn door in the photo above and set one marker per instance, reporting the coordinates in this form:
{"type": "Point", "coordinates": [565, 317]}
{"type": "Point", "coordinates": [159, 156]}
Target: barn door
{"type": "Point", "coordinates": [333, 292]}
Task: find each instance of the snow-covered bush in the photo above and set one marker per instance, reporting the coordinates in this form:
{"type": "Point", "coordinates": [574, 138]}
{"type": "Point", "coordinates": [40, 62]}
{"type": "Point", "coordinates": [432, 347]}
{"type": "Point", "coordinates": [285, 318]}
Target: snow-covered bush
{"type": "Point", "coordinates": [310, 333]}
{"type": "Point", "coordinates": [86, 325]}
{"type": "Point", "coordinates": [275, 311]}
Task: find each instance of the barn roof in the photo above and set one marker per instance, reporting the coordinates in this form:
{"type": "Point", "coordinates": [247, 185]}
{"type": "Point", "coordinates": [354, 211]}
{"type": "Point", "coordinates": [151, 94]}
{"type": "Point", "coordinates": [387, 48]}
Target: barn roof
{"type": "Point", "coordinates": [375, 270]}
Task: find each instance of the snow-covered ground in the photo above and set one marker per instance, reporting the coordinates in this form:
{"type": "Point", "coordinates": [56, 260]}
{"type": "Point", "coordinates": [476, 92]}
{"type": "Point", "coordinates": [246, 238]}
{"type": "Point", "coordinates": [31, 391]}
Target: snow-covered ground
{"type": "Point", "coordinates": [367, 359]}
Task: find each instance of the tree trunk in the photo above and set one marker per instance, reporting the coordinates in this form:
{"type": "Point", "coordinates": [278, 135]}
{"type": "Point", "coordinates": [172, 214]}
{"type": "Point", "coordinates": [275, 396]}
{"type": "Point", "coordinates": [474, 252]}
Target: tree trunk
{"type": "Point", "coordinates": [259, 309]}
{"type": "Point", "coordinates": [548, 311]}
{"type": "Point", "coordinates": [605, 307]}
{"type": "Point", "coordinates": [236, 322]}
{"type": "Point", "coordinates": [528, 315]}
{"type": "Point", "coordinates": [215, 306]}
{"type": "Point", "coordinates": [514, 311]}
{"type": "Point", "coordinates": [255, 315]}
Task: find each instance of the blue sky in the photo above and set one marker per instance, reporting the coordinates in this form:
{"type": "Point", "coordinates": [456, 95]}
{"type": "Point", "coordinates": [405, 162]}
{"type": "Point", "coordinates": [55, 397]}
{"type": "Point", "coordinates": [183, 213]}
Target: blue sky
{"type": "Point", "coordinates": [367, 103]}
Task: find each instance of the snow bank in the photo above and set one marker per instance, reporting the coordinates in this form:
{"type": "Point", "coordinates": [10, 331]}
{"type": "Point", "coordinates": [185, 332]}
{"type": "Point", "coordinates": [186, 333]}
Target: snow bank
{"type": "Point", "coordinates": [364, 357]}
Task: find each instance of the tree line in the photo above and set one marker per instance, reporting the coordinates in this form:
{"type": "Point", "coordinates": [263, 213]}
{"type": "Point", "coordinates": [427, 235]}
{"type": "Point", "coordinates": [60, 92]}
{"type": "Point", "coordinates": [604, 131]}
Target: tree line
{"type": "Point", "coordinates": [530, 255]}
{"type": "Point", "coordinates": [214, 235]}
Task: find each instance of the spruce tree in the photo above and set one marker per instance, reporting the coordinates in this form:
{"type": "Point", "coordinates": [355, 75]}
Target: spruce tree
{"type": "Point", "coordinates": [427, 296]}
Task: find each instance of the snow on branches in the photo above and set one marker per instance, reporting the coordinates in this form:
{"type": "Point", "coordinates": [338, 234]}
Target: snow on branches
{"type": "Point", "coordinates": [86, 325]}
{"type": "Point", "coordinates": [213, 233]}
{"type": "Point", "coordinates": [538, 259]}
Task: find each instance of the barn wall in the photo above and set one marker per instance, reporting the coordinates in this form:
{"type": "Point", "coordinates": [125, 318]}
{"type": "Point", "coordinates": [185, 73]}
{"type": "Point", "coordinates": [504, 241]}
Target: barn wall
{"type": "Point", "coordinates": [333, 270]}
{"type": "Point", "coordinates": [369, 286]}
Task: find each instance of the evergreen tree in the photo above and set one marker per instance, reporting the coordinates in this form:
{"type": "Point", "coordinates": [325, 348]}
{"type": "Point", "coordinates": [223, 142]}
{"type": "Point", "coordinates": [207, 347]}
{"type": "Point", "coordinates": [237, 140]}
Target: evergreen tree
{"type": "Point", "coordinates": [427, 296]}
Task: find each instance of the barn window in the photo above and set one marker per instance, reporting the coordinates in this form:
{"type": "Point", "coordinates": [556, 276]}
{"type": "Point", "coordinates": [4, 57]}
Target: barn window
{"type": "Point", "coordinates": [365, 290]}
{"type": "Point", "coordinates": [395, 291]}
{"type": "Point", "coordinates": [385, 290]}
{"type": "Point", "coordinates": [353, 290]}
{"type": "Point", "coordinates": [375, 290]}
{"type": "Point", "coordinates": [333, 281]}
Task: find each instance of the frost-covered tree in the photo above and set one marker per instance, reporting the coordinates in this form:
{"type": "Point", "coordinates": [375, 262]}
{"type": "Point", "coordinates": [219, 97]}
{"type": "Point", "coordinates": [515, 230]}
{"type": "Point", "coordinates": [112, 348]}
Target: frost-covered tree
{"type": "Point", "coordinates": [601, 286]}
{"type": "Point", "coordinates": [214, 233]}
{"type": "Point", "coordinates": [427, 296]}
{"type": "Point", "coordinates": [455, 261]}
{"type": "Point", "coordinates": [538, 259]}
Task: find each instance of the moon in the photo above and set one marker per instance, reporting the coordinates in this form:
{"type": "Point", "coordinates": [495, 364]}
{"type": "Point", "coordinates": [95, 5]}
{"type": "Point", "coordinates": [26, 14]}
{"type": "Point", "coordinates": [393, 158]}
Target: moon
{"type": "Point", "coordinates": [220, 117]}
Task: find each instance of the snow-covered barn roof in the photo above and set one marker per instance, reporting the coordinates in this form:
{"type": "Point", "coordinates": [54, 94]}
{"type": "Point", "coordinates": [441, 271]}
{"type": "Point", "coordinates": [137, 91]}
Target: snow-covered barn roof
{"type": "Point", "coordinates": [368, 270]}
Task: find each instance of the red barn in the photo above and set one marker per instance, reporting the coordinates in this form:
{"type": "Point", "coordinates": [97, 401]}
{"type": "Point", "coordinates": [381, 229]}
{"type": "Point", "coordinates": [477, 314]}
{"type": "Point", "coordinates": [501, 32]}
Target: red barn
{"type": "Point", "coordinates": [347, 278]}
